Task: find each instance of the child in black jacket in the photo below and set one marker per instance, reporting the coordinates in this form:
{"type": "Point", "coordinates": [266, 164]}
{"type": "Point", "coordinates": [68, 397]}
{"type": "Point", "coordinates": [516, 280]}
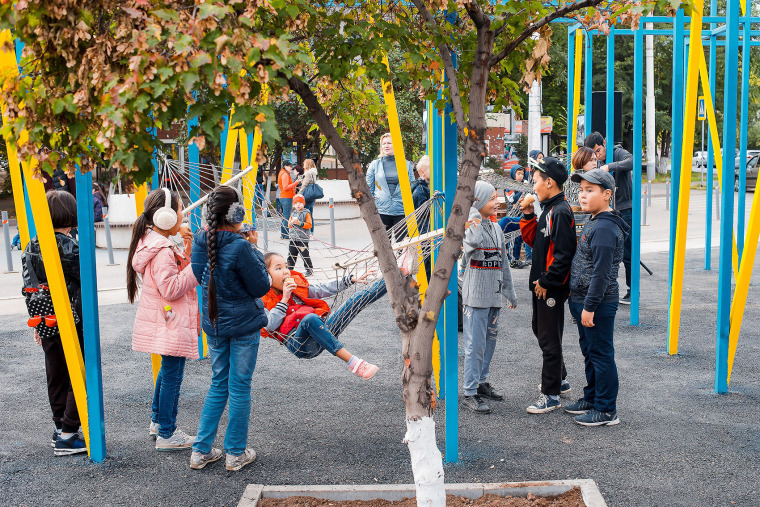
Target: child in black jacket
{"type": "Point", "coordinates": [595, 294]}
{"type": "Point", "coordinates": [63, 213]}
{"type": "Point", "coordinates": [552, 237]}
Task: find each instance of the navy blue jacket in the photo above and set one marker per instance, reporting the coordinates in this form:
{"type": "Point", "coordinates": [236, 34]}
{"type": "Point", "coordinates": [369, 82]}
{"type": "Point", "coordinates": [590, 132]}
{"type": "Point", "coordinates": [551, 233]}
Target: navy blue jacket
{"type": "Point", "coordinates": [240, 277]}
{"type": "Point", "coordinates": [420, 192]}
{"type": "Point", "coordinates": [593, 276]}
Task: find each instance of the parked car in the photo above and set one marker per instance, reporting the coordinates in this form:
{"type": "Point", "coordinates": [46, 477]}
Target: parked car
{"type": "Point", "coordinates": [699, 159]}
{"type": "Point", "coordinates": [752, 171]}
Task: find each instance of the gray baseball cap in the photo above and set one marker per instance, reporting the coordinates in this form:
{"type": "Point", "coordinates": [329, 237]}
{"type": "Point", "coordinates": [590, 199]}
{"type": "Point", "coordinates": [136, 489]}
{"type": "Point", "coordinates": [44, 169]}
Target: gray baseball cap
{"type": "Point", "coordinates": [597, 177]}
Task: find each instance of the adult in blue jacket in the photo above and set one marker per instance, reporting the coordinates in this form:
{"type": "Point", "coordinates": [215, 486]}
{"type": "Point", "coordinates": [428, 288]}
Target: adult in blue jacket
{"type": "Point", "coordinates": [383, 180]}
{"type": "Point", "coordinates": [233, 277]}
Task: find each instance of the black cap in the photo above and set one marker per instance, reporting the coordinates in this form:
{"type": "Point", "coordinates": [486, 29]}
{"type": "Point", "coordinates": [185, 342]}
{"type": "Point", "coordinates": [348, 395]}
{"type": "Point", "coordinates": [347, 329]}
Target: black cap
{"type": "Point", "coordinates": [554, 169]}
{"type": "Point", "coordinates": [597, 177]}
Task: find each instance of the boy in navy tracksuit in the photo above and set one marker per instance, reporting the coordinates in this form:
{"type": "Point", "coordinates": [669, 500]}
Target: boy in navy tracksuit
{"type": "Point", "coordinates": [595, 295]}
{"type": "Point", "coordinates": [552, 237]}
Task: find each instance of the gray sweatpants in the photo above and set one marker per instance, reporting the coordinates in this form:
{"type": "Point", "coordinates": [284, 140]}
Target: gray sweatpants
{"type": "Point", "coordinates": [480, 330]}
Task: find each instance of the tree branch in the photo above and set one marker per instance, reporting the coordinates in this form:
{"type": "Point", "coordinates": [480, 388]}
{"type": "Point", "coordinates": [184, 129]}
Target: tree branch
{"type": "Point", "coordinates": [480, 18]}
{"type": "Point", "coordinates": [448, 66]}
{"type": "Point", "coordinates": [559, 13]}
{"type": "Point", "coordinates": [404, 298]}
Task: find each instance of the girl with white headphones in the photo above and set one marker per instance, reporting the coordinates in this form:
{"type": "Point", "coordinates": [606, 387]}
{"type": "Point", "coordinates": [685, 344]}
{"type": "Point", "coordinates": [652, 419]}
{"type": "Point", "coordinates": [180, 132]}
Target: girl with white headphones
{"type": "Point", "coordinates": [167, 321]}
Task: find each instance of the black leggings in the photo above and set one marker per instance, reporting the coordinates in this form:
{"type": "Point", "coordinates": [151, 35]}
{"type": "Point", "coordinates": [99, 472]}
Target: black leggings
{"type": "Point", "coordinates": [296, 247]}
{"type": "Point", "coordinates": [60, 393]}
{"type": "Point", "coordinates": [389, 221]}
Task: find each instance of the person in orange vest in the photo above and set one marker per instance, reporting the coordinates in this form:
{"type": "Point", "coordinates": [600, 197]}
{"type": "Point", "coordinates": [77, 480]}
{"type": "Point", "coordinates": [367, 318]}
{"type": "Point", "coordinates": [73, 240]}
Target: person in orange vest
{"type": "Point", "coordinates": [287, 191]}
{"type": "Point", "coordinates": [295, 309]}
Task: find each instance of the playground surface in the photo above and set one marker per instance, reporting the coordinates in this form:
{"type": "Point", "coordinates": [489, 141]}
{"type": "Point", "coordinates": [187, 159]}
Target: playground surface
{"type": "Point", "coordinates": [313, 422]}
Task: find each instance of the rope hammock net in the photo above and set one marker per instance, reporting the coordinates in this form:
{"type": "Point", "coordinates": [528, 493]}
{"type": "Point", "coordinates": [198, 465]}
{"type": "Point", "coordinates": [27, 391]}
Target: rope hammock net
{"type": "Point", "coordinates": [333, 265]}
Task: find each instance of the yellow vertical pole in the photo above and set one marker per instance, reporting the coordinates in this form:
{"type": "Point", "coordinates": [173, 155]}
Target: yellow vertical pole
{"type": "Point", "coordinates": [571, 144]}
{"type": "Point", "coordinates": [58, 292]}
{"type": "Point", "coordinates": [9, 67]}
{"type": "Point", "coordinates": [141, 194]}
{"type": "Point", "coordinates": [406, 195]}
{"type": "Point", "coordinates": [689, 125]}
{"type": "Point", "coordinates": [249, 180]}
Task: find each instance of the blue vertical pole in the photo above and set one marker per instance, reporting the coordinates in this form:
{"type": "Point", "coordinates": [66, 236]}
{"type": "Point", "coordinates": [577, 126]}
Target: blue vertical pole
{"type": "Point", "coordinates": [676, 133]}
{"type": "Point", "coordinates": [90, 319]}
{"type": "Point", "coordinates": [155, 183]}
{"type": "Point", "coordinates": [710, 154]}
{"type": "Point", "coordinates": [451, 335]}
{"type": "Point", "coordinates": [730, 84]}
{"type": "Point", "coordinates": [570, 85]}
{"type": "Point", "coordinates": [638, 89]}
{"type": "Point", "coordinates": [589, 85]}
{"type": "Point", "coordinates": [746, 51]}
{"type": "Point", "coordinates": [193, 156]}
{"type": "Point", "coordinates": [609, 117]}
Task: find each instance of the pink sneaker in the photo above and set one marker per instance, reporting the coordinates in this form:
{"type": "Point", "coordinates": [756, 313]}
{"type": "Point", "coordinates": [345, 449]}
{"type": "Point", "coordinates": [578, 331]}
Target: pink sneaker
{"type": "Point", "coordinates": [365, 370]}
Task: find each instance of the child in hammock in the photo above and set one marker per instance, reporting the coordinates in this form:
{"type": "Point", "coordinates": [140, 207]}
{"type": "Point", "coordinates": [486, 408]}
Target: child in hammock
{"type": "Point", "coordinates": [295, 309]}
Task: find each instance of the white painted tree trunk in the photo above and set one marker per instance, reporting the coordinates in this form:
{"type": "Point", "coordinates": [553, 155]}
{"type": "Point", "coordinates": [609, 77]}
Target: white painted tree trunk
{"type": "Point", "coordinates": [427, 463]}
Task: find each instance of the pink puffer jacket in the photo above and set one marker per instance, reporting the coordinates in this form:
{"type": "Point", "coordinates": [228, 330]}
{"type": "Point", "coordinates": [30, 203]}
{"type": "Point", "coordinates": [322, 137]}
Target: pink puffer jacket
{"type": "Point", "coordinates": [167, 279]}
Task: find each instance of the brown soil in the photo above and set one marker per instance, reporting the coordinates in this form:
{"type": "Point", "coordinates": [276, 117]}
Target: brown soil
{"type": "Point", "coordinates": [572, 498]}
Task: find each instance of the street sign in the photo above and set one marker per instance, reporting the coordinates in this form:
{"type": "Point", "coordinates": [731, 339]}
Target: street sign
{"type": "Point", "coordinates": [701, 112]}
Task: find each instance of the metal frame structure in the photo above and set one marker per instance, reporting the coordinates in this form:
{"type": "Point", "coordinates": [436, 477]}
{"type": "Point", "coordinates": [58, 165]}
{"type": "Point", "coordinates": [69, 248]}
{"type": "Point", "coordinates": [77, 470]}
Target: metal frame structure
{"type": "Point", "coordinates": [735, 258]}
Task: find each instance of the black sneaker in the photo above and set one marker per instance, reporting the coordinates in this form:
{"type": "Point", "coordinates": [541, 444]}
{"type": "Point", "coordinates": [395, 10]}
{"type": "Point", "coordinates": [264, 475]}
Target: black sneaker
{"type": "Point", "coordinates": [308, 272]}
{"type": "Point", "coordinates": [595, 418]}
{"type": "Point", "coordinates": [476, 404]}
{"type": "Point", "coordinates": [72, 445]}
{"type": "Point", "coordinates": [54, 439]}
{"type": "Point", "coordinates": [486, 390]}
{"type": "Point", "coordinates": [579, 407]}
{"type": "Point", "coordinates": [626, 300]}
{"type": "Point", "coordinates": [513, 264]}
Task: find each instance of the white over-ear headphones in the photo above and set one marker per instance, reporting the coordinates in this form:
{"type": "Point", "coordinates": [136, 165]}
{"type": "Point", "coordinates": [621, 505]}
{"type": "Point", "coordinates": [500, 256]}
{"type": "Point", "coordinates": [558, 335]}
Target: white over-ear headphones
{"type": "Point", "coordinates": [165, 217]}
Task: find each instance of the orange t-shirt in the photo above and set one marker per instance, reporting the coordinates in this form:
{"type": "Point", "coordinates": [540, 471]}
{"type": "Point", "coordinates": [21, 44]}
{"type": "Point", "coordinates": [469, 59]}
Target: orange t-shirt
{"type": "Point", "coordinates": [287, 185]}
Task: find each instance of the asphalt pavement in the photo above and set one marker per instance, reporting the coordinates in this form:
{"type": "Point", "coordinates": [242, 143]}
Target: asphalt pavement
{"type": "Point", "coordinates": [313, 422]}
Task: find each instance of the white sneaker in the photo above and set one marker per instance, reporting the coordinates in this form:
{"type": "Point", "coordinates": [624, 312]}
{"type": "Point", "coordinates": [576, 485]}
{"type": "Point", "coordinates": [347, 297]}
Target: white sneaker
{"type": "Point", "coordinates": [235, 463]}
{"type": "Point", "coordinates": [180, 440]}
{"type": "Point", "coordinates": [153, 430]}
{"type": "Point", "coordinates": [199, 460]}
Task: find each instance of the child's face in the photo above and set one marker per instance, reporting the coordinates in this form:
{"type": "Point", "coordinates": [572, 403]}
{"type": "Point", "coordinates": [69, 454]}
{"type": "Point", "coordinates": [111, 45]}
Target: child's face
{"type": "Point", "coordinates": [174, 230]}
{"type": "Point", "coordinates": [593, 198]}
{"type": "Point", "coordinates": [490, 207]}
{"type": "Point", "coordinates": [278, 270]}
{"type": "Point", "coordinates": [543, 185]}
{"type": "Point", "coordinates": [519, 175]}
{"type": "Point", "coordinates": [298, 205]}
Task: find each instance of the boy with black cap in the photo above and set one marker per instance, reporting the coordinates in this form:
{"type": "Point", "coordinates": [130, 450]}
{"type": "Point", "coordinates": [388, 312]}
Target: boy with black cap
{"type": "Point", "coordinates": [486, 277]}
{"type": "Point", "coordinates": [595, 295]}
{"type": "Point", "coordinates": [552, 237]}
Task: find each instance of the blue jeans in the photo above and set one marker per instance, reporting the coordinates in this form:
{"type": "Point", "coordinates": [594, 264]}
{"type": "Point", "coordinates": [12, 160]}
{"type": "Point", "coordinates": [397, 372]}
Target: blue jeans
{"type": "Point", "coordinates": [599, 356]}
{"type": "Point", "coordinates": [511, 224]}
{"type": "Point", "coordinates": [312, 335]}
{"type": "Point", "coordinates": [232, 363]}
{"type": "Point", "coordinates": [286, 207]}
{"type": "Point", "coordinates": [481, 326]}
{"type": "Point", "coordinates": [166, 394]}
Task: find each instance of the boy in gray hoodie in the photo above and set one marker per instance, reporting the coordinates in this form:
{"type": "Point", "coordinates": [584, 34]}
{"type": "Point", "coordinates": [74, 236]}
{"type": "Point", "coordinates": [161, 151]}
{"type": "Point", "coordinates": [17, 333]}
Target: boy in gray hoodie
{"type": "Point", "coordinates": [486, 277]}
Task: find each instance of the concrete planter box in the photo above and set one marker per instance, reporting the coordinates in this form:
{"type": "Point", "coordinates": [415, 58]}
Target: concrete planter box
{"type": "Point", "coordinates": [591, 495]}
{"type": "Point", "coordinates": [121, 235]}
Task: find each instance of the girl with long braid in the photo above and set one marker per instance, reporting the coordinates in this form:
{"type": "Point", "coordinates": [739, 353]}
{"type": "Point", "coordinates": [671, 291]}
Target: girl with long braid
{"type": "Point", "coordinates": [233, 278]}
{"type": "Point", "coordinates": [167, 314]}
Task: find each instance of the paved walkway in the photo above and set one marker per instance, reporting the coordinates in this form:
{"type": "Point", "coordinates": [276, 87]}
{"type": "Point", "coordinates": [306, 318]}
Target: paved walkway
{"type": "Point", "coordinates": [313, 422]}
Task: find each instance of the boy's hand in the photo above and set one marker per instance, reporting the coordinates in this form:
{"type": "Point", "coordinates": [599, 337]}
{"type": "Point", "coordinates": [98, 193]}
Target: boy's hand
{"type": "Point", "coordinates": [474, 223]}
{"type": "Point", "coordinates": [587, 319]}
{"type": "Point", "coordinates": [363, 278]}
{"type": "Point", "coordinates": [526, 204]}
{"type": "Point", "coordinates": [288, 286]}
{"type": "Point", "coordinates": [37, 338]}
{"type": "Point", "coordinates": [540, 291]}
{"type": "Point", "coordinates": [252, 237]}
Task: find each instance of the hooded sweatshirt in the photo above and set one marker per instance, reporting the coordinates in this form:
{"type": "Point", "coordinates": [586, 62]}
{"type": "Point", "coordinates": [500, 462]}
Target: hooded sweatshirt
{"type": "Point", "coordinates": [593, 276]}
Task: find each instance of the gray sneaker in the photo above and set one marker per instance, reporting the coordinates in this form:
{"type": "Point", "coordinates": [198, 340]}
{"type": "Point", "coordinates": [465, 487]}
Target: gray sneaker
{"type": "Point", "coordinates": [179, 440]}
{"type": "Point", "coordinates": [199, 460]}
{"type": "Point", "coordinates": [595, 418]}
{"type": "Point", "coordinates": [235, 463]}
